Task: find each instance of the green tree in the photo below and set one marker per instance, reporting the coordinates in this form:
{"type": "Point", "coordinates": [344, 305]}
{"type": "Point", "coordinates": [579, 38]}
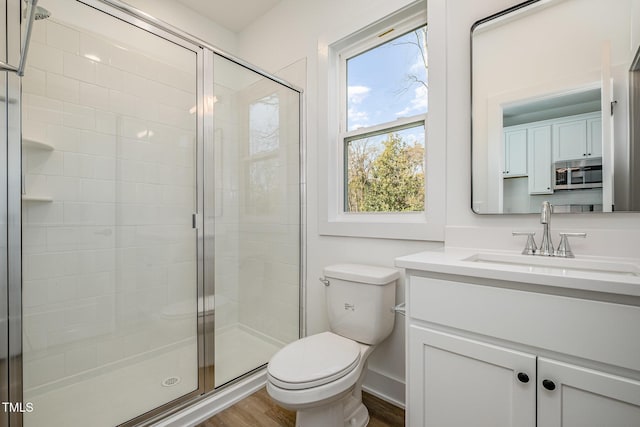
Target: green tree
{"type": "Point", "coordinates": [387, 179]}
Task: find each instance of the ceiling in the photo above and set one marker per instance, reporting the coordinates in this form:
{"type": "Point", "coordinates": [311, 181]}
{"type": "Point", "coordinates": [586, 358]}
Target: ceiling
{"type": "Point", "coordinates": [234, 15]}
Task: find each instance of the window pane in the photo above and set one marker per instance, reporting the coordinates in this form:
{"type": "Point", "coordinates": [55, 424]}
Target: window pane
{"type": "Point", "coordinates": [388, 82]}
{"type": "Point", "coordinates": [264, 123]}
{"type": "Point", "coordinates": [385, 171]}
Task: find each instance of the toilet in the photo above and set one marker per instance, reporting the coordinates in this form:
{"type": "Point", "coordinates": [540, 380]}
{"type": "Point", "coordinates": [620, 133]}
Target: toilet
{"type": "Point", "coordinates": [320, 376]}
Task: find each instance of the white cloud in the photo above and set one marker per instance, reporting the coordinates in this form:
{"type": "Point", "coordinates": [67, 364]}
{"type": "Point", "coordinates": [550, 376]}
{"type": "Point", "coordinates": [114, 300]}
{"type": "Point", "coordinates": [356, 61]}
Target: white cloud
{"type": "Point", "coordinates": [418, 104]}
{"type": "Point", "coordinates": [357, 93]}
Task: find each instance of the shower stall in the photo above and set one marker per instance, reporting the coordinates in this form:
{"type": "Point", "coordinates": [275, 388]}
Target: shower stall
{"type": "Point", "coordinates": [152, 207]}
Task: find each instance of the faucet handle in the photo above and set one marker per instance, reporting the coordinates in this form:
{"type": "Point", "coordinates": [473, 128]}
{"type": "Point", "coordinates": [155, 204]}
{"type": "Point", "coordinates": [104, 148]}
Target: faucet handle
{"type": "Point", "coordinates": [530, 247]}
{"type": "Point", "coordinates": [564, 249]}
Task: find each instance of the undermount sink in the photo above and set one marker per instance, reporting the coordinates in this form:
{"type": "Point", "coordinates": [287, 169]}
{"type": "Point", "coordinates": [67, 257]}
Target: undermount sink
{"type": "Point", "coordinates": [587, 265]}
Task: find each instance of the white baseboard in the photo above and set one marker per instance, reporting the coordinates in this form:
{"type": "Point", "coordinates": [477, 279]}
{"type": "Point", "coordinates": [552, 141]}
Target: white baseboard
{"type": "Point", "coordinates": [385, 387]}
{"type": "Point", "coordinates": [208, 407]}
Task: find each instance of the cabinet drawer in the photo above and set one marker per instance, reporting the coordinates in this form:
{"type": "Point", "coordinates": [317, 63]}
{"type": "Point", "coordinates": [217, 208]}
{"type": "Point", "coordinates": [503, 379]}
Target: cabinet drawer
{"type": "Point", "coordinates": [600, 331]}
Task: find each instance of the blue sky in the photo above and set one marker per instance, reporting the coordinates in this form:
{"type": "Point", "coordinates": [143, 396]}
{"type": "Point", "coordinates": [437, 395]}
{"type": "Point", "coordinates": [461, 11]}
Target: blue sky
{"type": "Point", "coordinates": [379, 90]}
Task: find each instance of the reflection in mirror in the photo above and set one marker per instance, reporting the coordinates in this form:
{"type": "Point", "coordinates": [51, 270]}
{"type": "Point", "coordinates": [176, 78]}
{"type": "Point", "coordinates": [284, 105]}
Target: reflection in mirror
{"type": "Point", "coordinates": [550, 107]}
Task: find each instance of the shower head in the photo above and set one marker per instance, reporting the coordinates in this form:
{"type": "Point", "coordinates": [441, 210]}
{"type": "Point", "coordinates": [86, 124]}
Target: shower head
{"type": "Point", "coordinates": [41, 13]}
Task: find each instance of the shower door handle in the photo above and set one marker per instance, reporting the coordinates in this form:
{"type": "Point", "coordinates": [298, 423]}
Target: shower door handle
{"type": "Point", "coordinates": [19, 70]}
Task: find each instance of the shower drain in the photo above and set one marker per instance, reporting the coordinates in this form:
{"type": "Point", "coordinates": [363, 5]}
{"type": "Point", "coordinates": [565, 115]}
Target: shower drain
{"type": "Point", "coordinates": [170, 381]}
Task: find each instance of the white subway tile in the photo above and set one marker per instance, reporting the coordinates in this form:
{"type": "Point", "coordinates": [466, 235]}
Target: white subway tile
{"type": "Point", "coordinates": [94, 96]}
{"type": "Point", "coordinates": [97, 261]}
{"type": "Point", "coordinates": [36, 213]}
{"type": "Point", "coordinates": [62, 239]}
{"type": "Point", "coordinates": [95, 48]}
{"type": "Point", "coordinates": [133, 128]}
{"type": "Point", "coordinates": [79, 68]}
{"type": "Point", "coordinates": [45, 266]}
{"type": "Point", "coordinates": [60, 188]}
{"type": "Point", "coordinates": [61, 289]}
{"type": "Point", "coordinates": [138, 86]}
{"type": "Point", "coordinates": [77, 116]}
{"type": "Point", "coordinates": [63, 88]}
{"type": "Point", "coordinates": [34, 295]}
{"type": "Point", "coordinates": [96, 284]}
{"type": "Point", "coordinates": [35, 130]}
{"type": "Point", "coordinates": [93, 190]}
{"type": "Point", "coordinates": [122, 103]}
{"type": "Point", "coordinates": [45, 57]}
{"type": "Point", "coordinates": [89, 214]}
{"type": "Point", "coordinates": [44, 162]}
{"type": "Point", "coordinates": [41, 109]}
{"type": "Point", "coordinates": [34, 239]}
{"type": "Point", "coordinates": [109, 77]}
{"type": "Point", "coordinates": [62, 138]}
{"type": "Point", "coordinates": [34, 81]}
{"type": "Point", "coordinates": [62, 37]}
{"type": "Point", "coordinates": [96, 237]}
{"type": "Point", "coordinates": [106, 122]}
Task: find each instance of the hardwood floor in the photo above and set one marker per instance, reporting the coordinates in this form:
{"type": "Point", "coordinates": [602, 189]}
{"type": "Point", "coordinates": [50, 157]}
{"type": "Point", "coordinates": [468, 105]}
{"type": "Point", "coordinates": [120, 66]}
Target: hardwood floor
{"type": "Point", "coordinates": [258, 410]}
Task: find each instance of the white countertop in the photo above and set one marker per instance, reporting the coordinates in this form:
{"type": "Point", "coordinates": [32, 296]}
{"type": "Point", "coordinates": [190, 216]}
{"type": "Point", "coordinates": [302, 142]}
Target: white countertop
{"type": "Point", "coordinates": [597, 274]}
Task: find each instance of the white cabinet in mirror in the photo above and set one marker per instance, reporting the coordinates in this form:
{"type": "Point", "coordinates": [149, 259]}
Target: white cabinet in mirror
{"type": "Point", "coordinates": [559, 95]}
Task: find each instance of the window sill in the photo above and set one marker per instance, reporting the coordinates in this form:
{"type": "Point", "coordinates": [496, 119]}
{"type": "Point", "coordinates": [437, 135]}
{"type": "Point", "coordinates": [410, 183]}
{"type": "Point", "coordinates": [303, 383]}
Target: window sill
{"type": "Point", "coordinates": [400, 226]}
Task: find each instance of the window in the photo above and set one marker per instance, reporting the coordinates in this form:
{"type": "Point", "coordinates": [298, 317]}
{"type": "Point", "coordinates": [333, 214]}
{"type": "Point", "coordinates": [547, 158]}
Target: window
{"type": "Point", "coordinates": [384, 91]}
{"type": "Point", "coordinates": [379, 158]}
{"type": "Point", "coordinates": [263, 197]}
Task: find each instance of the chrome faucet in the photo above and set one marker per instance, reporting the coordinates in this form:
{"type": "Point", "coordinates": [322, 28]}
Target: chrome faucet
{"type": "Point", "coordinates": [546, 246]}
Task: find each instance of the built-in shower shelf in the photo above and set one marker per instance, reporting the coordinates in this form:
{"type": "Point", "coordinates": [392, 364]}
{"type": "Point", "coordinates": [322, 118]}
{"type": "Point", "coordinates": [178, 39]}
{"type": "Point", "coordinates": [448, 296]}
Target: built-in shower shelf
{"type": "Point", "coordinates": [38, 145]}
{"type": "Point", "coordinates": [32, 198]}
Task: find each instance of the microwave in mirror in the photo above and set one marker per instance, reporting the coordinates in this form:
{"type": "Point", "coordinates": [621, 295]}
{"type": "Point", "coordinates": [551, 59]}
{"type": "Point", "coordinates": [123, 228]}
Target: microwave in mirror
{"type": "Point", "coordinates": [578, 174]}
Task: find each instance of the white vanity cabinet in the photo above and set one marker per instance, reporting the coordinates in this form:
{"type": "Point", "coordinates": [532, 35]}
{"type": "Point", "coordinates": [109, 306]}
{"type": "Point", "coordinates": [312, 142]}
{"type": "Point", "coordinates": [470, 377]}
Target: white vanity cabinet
{"type": "Point", "coordinates": [578, 137]}
{"type": "Point", "coordinates": [496, 353]}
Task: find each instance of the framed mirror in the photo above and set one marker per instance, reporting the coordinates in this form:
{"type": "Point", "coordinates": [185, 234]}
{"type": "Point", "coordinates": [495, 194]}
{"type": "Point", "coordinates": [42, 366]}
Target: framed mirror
{"type": "Point", "coordinates": [555, 98]}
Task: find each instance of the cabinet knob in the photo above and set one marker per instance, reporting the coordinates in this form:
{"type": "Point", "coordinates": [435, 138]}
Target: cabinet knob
{"type": "Point", "coordinates": [549, 385]}
{"type": "Point", "coordinates": [584, 154]}
{"type": "Point", "coordinates": [523, 378]}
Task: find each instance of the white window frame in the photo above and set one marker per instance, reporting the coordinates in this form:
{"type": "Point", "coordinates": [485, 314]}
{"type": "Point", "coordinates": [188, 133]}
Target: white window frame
{"type": "Point", "coordinates": [333, 220]}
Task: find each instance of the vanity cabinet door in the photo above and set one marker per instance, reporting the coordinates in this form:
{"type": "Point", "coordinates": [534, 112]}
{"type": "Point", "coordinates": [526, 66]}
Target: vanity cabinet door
{"type": "Point", "coordinates": [455, 381]}
{"type": "Point", "coordinates": [570, 140]}
{"type": "Point", "coordinates": [573, 396]}
{"type": "Point", "coordinates": [515, 153]}
{"type": "Point", "coordinates": [539, 147]}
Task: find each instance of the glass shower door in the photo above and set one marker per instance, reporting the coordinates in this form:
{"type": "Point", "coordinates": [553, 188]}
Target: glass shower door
{"type": "Point", "coordinates": [110, 256]}
{"type": "Point", "coordinates": [257, 218]}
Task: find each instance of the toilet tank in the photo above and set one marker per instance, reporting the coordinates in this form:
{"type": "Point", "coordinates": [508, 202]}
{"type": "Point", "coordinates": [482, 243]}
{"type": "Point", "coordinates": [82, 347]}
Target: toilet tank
{"type": "Point", "coordinates": [360, 299]}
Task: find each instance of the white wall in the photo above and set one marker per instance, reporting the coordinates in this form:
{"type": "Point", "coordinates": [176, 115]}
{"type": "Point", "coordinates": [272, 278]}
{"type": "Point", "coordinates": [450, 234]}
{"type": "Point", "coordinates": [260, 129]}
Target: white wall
{"type": "Point", "coordinates": [291, 31]}
{"type": "Point", "coordinates": [189, 21]}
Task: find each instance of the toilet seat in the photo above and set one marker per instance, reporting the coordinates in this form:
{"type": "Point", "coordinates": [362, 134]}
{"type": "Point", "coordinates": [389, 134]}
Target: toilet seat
{"type": "Point", "coordinates": [313, 361]}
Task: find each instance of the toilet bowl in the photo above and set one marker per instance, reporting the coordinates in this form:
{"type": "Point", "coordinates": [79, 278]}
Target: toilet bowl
{"type": "Point", "coordinates": [320, 376]}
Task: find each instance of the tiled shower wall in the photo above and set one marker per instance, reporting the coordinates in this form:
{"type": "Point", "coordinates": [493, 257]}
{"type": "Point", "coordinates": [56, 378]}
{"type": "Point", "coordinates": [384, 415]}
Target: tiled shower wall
{"type": "Point", "coordinates": [109, 264]}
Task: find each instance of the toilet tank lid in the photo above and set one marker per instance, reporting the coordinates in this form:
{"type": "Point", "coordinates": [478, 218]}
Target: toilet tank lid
{"type": "Point", "coordinates": [362, 273]}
